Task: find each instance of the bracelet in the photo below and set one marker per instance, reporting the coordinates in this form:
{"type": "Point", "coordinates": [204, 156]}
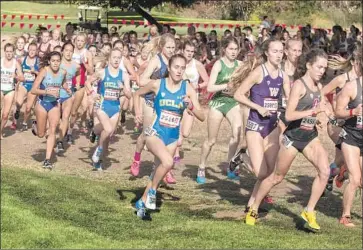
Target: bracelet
{"type": "Point", "coordinates": [351, 112]}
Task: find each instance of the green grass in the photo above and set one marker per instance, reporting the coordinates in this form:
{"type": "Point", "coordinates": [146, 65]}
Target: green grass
{"type": "Point", "coordinates": [50, 210]}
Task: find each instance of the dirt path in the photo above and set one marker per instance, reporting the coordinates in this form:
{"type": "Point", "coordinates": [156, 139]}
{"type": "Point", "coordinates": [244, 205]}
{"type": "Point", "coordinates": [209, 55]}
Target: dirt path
{"type": "Point", "coordinates": [22, 149]}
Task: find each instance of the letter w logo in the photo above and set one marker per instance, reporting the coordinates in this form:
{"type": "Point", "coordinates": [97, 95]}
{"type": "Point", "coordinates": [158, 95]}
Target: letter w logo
{"type": "Point", "coordinates": [274, 91]}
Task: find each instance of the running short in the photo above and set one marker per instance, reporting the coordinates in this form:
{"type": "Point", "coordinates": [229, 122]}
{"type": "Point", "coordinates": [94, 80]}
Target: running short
{"type": "Point", "coordinates": [27, 86]}
{"type": "Point", "coordinates": [162, 134]}
{"type": "Point", "coordinates": [223, 104]}
{"type": "Point", "coordinates": [263, 128]}
{"type": "Point", "coordinates": [5, 92]}
{"type": "Point", "coordinates": [111, 108]}
{"type": "Point", "coordinates": [299, 145]}
{"type": "Point", "coordinates": [353, 138]}
{"type": "Point", "coordinates": [63, 99]}
{"type": "Point", "coordinates": [48, 106]}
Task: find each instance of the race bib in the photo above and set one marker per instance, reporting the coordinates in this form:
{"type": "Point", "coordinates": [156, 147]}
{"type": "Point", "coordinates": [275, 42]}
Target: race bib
{"type": "Point", "coordinates": [252, 125]}
{"type": "Point", "coordinates": [308, 123]}
{"type": "Point", "coordinates": [169, 119]}
{"type": "Point", "coordinates": [284, 102]}
{"type": "Point", "coordinates": [342, 134]}
{"type": "Point", "coordinates": [359, 122]}
{"type": "Point", "coordinates": [112, 94]}
{"type": "Point", "coordinates": [270, 104]}
{"type": "Point", "coordinates": [150, 131]}
{"type": "Point", "coordinates": [6, 79]}
{"type": "Point", "coordinates": [29, 77]}
{"type": "Point", "coordinates": [286, 141]}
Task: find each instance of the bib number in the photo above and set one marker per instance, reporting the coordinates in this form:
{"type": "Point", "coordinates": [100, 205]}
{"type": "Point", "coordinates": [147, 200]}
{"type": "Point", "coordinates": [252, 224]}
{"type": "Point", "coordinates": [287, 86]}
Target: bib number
{"type": "Point", "coordinates": [284, 102]}
{"type": "Point", "coordinates": [286, 141]}
{"type": "Point", "coordinates": [112, 94]}
{"type": "Point", "coordinates": [270, 104]}
{"type": "Point", "coordinates": [308, 123]}
{"type": "Point", "coordinates": [149, 131]}
{"type": "Point", "coordinates": [169, 119]}
{"type": "Point", "coordinates": [252, 125]}
{"type": "Point", "coordinates": [29, 77]}
{"type": "Point", "coordinates": [7, 79]}
{"type": "Point", "coordinates": [359, 122]}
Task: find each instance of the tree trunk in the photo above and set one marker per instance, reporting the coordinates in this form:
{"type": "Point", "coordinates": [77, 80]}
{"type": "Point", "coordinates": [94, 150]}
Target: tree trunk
{"type": "Point", "coordinates": [148, 17]}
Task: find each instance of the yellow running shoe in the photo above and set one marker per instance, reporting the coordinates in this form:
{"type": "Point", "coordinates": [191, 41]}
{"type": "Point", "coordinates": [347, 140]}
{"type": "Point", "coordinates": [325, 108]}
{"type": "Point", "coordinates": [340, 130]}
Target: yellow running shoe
{"type": "Point", "coordinates": [310, 218]}
{"type": "Point", "coordinates": [251, 217]}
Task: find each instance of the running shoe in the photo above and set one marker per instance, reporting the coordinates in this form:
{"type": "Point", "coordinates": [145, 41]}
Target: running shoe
{"type": "Point", "coordinates": [25, 127]}
{"type": "Point", "coordinates": [135, 168]}
{"type": "Point", "coordinates": [17, 114]}
{"type": "Point", "coordinates": [34, 128]}
{"type": "Point", "coordinates": [339, 179]}
{"type": "Point", "coordinates": [69, 139]}
{"type": "Point", "coordinates": [169, 178]}
{"type": "Point", "coordinates": [13, 126]}
{"type": "Point", "coordinates": [310, 218]}
{"type": "Point", "coordinates": [97, 166]}
{"type": "Point", "coordinates": [151, 199]}
{"type": "Point", "coordinates": [92, 137]}
{"type": "Point", "coordinates": [233, 175]}
{"type": "Point", "coordinates": [96, 155]}
{"type": "Point", "coordinates": [90, 124]}
{"type": "Point", "coordinates": [201, 176]}
{"type": "Point", "coordinates": [346, 221]}
{"type": "Point", "coordinates": [59, 147]}
{"type": "Point", "coordinates": [268, 199]}
{"type": "Point", "coordinates": [47, 165]}
{"type": "Point", "coordinates": [236, 160]}
{"type": "Point", "coordinates": [251, 217]}
{"type": "Point", "coordinates": [260, 210]}
{"type": "Point", "coordinates": [140, 209]}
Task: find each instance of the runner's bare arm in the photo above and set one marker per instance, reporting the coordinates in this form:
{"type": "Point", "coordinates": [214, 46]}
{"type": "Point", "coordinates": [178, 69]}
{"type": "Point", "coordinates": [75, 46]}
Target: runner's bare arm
{"type": "Point", "coordinates": [348, 92]}
{"type": "Point", "coordinates": [212, 87]}
{"type": "Point", "coordinates": [194, 105]}
{"type": "Point", "coordinates": [203, 75]}
{"type": "Point", "coordinates": [35, 88]}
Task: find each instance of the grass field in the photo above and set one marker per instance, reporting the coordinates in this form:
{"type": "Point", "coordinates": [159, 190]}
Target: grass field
{"type": "Point", "coordinates": [48, 210]}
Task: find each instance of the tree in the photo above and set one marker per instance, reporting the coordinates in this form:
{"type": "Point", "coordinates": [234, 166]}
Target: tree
{"type": "Point", "coordinates": [138, 6]}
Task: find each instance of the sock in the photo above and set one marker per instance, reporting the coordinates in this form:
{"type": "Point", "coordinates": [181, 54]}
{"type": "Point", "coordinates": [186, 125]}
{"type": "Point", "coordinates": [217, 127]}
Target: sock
{"type": "Point", "coordinates": [137, 156]}
{"type": "Point", "coordinates": [69, 132]}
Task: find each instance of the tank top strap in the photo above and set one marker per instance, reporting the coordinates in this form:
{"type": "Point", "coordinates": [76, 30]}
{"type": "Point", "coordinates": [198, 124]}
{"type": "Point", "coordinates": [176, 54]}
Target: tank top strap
{"type": "Point", "coordinates": [347, 79]}
{"type": "Point", "coordinates": [359, 86]}
{"type": "Point", "coordinates": [264, 70]}
{"type": "Point", "coordinates": [306, 86]}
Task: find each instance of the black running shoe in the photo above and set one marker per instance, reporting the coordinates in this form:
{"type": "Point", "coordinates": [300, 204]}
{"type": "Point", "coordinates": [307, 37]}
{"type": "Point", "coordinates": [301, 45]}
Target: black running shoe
{"type": "Point", "coordinates": [25, 127]}
{"type": "Point", "coordinates": [59, 148]}
{"type": "Point", "coordinates": [236, 160]}
{"type": "Point", "coordinates": [47, 165]}
{"type": "Point", "coordinates": [92, 137]}
{"type": "Point", "coordinates": [69, 139]}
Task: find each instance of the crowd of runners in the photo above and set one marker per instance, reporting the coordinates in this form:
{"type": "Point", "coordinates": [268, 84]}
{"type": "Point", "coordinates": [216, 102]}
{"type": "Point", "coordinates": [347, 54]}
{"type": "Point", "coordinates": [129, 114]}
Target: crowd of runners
{"type": "Point", "coordinates": [273, 90]}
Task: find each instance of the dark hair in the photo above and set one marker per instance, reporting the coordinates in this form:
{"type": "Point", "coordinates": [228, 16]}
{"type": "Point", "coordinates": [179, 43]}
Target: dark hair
{"type": "Point", "coordinates": [118, 41]}
{"type": "Point", "coordinates": [67, 43]}
{"type": "Point", "coordinates": [32, 44]}
{"type": "Point", "coordinates": [226, 41]}
{"type": "Point", "coordinates": [188, 43]}
{"type": "Point", "coordinates": [264, 17]}
{"type": "Point", "coordinates": [132, 32]}
{"type": "Point", "coordinates": [203, 36]}
{"type": "Point", "coordinates": [107, 44]}
{"type": "Point", "coordinates": [176, 56]}
{"type": "Point", "coordinates": [57, 47]}
{"type": "Point", "coordinates": [227, 31]}
{"type": "Point", "coordinates": [9, 45]}
{"type": "Point", "coordinates": [247, 28]}
{"type": "Point", "coordinates": [213, 31]}
{"type": "Point", "coordinates": [46, 58]}
{"type": "Point", "coordinates": [167, 26]}
{"type": "Point", "coordinates": [308, 57]}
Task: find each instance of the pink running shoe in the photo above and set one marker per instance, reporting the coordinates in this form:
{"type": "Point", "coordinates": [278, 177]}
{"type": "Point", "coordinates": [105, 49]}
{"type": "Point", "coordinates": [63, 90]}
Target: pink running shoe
{"type": "Point", "coordinates": [13, 126]}
{"type": "Point", "coordinates": [135, 168]}
{"type": "Point", "coordinates": [169, 178]}
{"type": "Point", "coordinates": [268, 199]}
